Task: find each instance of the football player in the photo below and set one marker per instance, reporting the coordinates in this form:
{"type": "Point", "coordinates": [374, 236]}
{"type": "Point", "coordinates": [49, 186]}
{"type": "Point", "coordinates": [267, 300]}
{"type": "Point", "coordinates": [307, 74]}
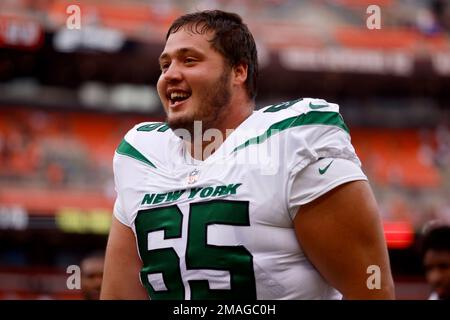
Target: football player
{"type": "Point", "coordinates": [278, 208]}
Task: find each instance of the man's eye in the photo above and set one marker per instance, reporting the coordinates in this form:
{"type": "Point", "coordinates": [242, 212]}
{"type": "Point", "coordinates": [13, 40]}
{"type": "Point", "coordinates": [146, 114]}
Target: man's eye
{"type": "Point", "coordinates": [164, 66]}
{"type": "Point", "coordinates": [189, 60]}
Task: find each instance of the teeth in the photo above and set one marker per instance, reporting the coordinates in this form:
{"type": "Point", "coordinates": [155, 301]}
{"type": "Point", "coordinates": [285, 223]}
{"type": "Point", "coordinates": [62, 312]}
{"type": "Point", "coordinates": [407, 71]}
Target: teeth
{"type": "Point", "coordinates": [179, 95]}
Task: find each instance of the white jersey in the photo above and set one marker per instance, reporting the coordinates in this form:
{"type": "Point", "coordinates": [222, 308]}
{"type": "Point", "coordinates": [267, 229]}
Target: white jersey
{"type": "Point", "coordinates": [223, 228]}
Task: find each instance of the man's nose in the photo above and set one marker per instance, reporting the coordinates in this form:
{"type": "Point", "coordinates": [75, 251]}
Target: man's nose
{"type": "Point", "coordinates": [173, 73]}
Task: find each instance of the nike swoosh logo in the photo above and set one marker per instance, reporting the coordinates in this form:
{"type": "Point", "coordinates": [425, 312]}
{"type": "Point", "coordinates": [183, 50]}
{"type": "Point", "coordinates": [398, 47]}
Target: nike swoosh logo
{"type": "Point", "coordinates": [317, 106]}
{"type": "Point", "coordinates": [322, 171]}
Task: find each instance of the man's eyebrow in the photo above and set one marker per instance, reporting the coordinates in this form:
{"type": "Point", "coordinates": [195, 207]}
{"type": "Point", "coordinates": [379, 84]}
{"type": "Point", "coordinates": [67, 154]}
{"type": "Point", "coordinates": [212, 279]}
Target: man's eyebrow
{"type": "Point", "coordinates": [179, 52]}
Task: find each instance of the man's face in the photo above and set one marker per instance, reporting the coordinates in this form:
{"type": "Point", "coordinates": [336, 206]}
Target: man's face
{"type": "Point", "coordinates": [437, 271]}
{"type": "Point", "coordinates": [91, 278]}
{"type": "Point", "coordinates": [195, 80]}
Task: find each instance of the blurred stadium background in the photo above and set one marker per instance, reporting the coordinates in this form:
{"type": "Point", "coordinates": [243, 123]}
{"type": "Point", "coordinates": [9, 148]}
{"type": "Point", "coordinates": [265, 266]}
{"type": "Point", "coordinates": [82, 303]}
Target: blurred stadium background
{"type": "Point", "coordinates": [68, 96]}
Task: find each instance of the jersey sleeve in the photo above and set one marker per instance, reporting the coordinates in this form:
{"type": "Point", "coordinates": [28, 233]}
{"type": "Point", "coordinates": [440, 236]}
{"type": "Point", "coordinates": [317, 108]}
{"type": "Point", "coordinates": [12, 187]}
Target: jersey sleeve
{"type": "Point", "coordinates": [129, 166]}
{"type": "Point", "coordinates": [318, 178]}
{"type": "Point", "coordinates": [120, 164]}
{"type": "Point", "coordinates": [321, 156]}
{"type": "Point", "coordinates": [119, 213]}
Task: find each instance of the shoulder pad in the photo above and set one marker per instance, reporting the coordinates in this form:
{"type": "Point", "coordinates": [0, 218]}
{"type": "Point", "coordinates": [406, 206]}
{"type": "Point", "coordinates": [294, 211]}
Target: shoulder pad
{"type": "Point", "coordinates": [147, 142]}
{"type": "Point", "coordinates": [303, 105]}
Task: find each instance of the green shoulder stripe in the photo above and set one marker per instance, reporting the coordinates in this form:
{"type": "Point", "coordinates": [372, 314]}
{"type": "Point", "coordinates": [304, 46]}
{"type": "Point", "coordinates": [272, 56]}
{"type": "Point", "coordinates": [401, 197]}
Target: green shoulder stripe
{"type": "Point", "coordinates": [127, 149]}
{"type": "Point", "coordinates": [312, 117]}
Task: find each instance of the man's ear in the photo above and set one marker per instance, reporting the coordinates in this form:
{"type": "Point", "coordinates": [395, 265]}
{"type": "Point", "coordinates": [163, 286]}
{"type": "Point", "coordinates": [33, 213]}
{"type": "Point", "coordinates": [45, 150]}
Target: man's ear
{"type": "Point", "coordinates": [240, 73]}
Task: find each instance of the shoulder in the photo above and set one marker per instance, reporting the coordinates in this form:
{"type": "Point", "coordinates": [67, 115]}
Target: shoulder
{"type": "Point", "coordinates": [147, 130]}
{"type": "Point", "coordinates": [308, 129]}
{"type": "Point", "coordinates": [145, 142]}
{"type": "Point", "coordinates": [301, 112]}
{"type": "Point", "coordinates": [302, 105]}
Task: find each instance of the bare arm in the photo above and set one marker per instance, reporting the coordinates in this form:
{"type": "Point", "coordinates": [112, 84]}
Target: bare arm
{"type": "Point", "coordinates": [122, 266]}
{"type": "Point", "coordinates": [342, 235]}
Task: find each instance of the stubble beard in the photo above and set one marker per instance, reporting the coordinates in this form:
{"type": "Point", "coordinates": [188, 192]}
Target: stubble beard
{"type": "Point", "coordinates": [210, 110]}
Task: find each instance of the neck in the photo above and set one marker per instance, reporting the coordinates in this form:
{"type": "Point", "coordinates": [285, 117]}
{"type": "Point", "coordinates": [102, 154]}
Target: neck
{"type": "Point", "coordinates": [207, 140]}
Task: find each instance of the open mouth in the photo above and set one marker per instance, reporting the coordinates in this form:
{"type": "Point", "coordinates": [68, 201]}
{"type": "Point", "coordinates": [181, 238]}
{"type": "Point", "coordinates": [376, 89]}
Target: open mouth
{"type": "Point", "coordinates": [177, 97]}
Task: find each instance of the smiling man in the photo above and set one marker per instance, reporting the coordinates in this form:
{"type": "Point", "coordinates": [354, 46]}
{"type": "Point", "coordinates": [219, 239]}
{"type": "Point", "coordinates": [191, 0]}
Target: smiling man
{"type": "Point", "coordinates": [205, 93]}
{"type": "Point", "coordinates": [214, 226]}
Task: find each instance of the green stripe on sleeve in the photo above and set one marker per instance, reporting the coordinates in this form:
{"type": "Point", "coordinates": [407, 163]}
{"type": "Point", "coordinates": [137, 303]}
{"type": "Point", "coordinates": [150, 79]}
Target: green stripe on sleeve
{"type": "Point", "coordinates": [312, 117]}
{"type": "Point", "coordinates": [127, 149]}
